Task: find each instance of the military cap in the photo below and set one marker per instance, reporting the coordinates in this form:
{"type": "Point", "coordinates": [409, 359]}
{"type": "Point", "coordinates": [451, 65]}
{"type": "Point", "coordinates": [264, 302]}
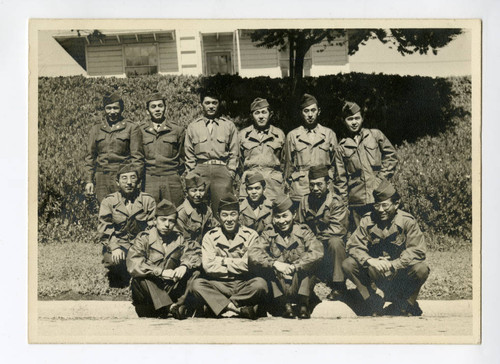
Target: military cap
{"type": "Point", "coordinates": [229, 202]}
{"type": "Point", "coordinates": [350, 108]}
{"type": "Point", "coordinates": [112, 98]}
{"type": "Point", "coordinates": [193, 179]}
{"type": "Point", "coordinates": [282, 203]}
{"type": "Point", "coordinates": [154, 97]}
{"type": "Point", "coordinates": [165, 208]}
{"type": "Point", "coordinates": [384, 191]}
{"type": "Point", "coordinates": [307, 100]}
{"type": "Point", "coordinates": [126, 167]}
{"type": "Point", "coordinates": [254, 178]}
{"type": "Point", "coordinates": [318, 172]}
{"type": "Point", "coordinates": [258, 103]}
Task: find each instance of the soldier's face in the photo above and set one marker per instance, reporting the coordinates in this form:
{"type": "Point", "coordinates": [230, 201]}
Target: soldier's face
{"type": "Point", "coordinates": [310, 114]}
{"type": "Point", "coordinates": [318, 187]}
{"type": "Point", "coordinates": [283, 220]}
{"type": "Point", "coordinates": [386, 210]}
{"type": "Point", "coordinates": [196, 194]}
{"type": "Point", "coordinates": [113, 111]}
{"type": "Point", "coordinates": [127, 182]}
{"type": "Point", "coordinates": [165, 224]}
{"type": "Point", "coordinates": [255, 191]}
{"type": "Point", "coordinates": [157, 110]}
{"type": "Point", "coordinates": [210, 106]}
{"type": "Point", "coordinates": [229, 220]}
{"type": "Point", "coordinates": [261, 117]}
{"type": "Point", "coordinates": [354, 122]}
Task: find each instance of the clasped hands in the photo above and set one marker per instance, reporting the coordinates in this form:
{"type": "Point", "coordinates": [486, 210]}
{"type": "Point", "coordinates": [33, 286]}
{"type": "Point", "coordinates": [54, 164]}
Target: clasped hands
{"type": "Point", "coordinates": [174, 274]}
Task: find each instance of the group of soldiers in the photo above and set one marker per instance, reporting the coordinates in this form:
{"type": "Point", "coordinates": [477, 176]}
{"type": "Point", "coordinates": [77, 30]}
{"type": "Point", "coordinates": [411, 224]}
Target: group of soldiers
{"type": "Point", "coordinates": [309, 208]}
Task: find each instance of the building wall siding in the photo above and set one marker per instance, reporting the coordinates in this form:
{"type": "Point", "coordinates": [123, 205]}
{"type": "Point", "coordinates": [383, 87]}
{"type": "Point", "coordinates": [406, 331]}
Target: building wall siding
{"type": "Point", "coordinates": [256, 57]}
{"type": "Point", "coordinates": [324, 54]}
{"type": "Point", "coordinates": [104, 60]}
{"type": "Point", "coordinates": [168, 57]}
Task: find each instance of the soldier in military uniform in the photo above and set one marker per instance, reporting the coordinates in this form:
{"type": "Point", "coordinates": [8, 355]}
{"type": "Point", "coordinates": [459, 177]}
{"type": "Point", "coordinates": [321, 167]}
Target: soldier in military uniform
{"type": "Point", "coordinates": [386, 256]}
{"type": "Point", "coordinates": [110, 143]}
{"type": "Point", "coordinates": [194, 216]}
{"type": "Point", "coordinates": [164, 152]}
{"type": "Point", "coordinates": [311, 144]}
{"type": "Point", "coordinates": [211, 146]}
{"type": "Point", "coordinates": [326, 215]}
{"type": "Point", "coordinates": [286, 255]}
{"type": "Point", "coordinates": [161, 263]}
{"type": "Point", "coordinates": [262, 149]}
{"type": "Point", "coordinates": [123, 215]}
{"type": "Point", "coordinates": [256, 208]}
{"type": "Point", "coordinates": [363, 158]}
{"type": "Point", "coordinates": [227, 285]}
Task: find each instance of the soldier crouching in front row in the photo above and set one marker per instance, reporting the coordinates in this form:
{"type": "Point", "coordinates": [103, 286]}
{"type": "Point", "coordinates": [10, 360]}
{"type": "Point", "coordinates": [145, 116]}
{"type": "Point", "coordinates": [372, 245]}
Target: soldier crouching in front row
{"type": "Point", "coordinates": [161, 263]}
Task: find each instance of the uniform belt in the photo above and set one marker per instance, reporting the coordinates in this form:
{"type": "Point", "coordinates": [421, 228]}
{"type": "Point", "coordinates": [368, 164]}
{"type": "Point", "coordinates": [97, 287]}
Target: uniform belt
{"type": "Point", "coordinates": [214, 161]}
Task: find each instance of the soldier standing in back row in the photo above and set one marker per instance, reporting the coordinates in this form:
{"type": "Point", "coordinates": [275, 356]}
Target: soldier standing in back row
{"type": "Point", "coordinates": [262, 150]}
{"type": "Point", "coordinates": [164, 152]}
{"type": "Point", "coordinates": [212, 148]}
{"type": "Point", "coordinates": [308, 145]}
{"type": "Point", "coordinates": [110, 143]}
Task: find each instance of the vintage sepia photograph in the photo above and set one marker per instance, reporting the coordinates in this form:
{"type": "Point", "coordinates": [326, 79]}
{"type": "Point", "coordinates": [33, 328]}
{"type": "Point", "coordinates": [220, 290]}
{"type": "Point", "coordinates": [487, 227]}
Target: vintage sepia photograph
{"type": "Point", "coordinates": [255, 181]}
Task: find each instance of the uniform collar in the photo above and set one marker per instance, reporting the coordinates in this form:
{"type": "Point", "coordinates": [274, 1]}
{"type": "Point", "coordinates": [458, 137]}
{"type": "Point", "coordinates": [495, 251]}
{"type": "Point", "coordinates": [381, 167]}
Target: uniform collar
{"type": "Point", "coordinates": [137, 204]}
{"type": "Point", "coordinates": [395, 226]}
{"type": "Point", "coordinates": [156, 242]}
{"type": "Point", "coordinates": [247, 210]}
{"type": "Point", "coordinates": [239, 238]}
{"type": "Point", "coordinates": [292, 240]}
{"type": "Point", "coordinates": [119, 125]}
{"type": "Point", "coordinates": [192, 212]}
{"type": "Point", "coordinates": [326, 203]}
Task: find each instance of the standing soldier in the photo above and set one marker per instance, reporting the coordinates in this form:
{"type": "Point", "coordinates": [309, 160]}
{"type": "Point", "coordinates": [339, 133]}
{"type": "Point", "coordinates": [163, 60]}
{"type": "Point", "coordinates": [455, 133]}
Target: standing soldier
{"type": "Point", "coordinates": [363, 158]}
{"type": "Point", "coordinates": [309, 145]}
{"type": "Point", "coordinates": [123, 215]}
{"type": "Point", "coordinates": [211, 147]}
{"type": "Point", "coordinates": [194, 216]}
{"type": "Point", "coordinates": [255, 209]}
{"type": "Point", "coordinates": [161, 263]}
{"type": "Point", "coordinates": [262, 149]}
{"type": "Point", "coordinates": [110, 143]}
{"type": "Point", "coordinates": [164, 152]}
{"type": "Point", "coordinates": [326, 215]}
{"type": "Point", "coordinates": [286, 255]}
{"type": "Point", "coordinates": [387, 256]}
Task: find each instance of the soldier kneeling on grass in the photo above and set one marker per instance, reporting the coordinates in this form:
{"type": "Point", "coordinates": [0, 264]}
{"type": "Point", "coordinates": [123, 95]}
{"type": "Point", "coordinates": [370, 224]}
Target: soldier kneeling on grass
{"type": "Point", "coordinates": [161, 263]}
{"type": "Point", "coordinates": [387, 257]}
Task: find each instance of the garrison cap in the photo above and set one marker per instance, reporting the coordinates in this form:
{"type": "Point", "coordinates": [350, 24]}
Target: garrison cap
{"type": "Point", "coordinates": [350, 108]}
{"type": "Point", "coordinates": [193, 180]}
{"type": "Point", "coordinates": [254, 178]}
{"type": "Point", "coordinates": [229, 202]}
{"type": "Point", "coordinates": [318, 172]}
{"type": "Point", "coordinates": [384, 191]}
{"type": "Point", "coordinates": [126, 167]}
{"type": "Point", "coordinates": [282, 203]}
{"type": "Point", "coordinates": [112, 98]}
{"type": "Point", "coordinates": [165, 208]}
{"type": "Point", "coordinates": [154, 97]}
{"type": "Point", "coordinates": [258, 103]}
{"type": "Point", "coordinates": [307, 100]}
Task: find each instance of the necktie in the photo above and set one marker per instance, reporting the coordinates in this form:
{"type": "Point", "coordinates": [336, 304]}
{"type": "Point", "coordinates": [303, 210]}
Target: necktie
{"type": "Point", "coordinates": [210, 126]}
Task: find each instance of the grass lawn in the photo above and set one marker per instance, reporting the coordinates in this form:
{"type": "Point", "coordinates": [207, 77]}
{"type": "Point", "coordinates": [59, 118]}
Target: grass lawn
{"type": "Point", "coordinates": [73, 270]}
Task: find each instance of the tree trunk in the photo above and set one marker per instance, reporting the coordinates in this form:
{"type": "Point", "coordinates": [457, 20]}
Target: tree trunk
{"type": "Point", "coordinates": [300, 52]}
{"type": "Point", "coordinates": [291, 55]}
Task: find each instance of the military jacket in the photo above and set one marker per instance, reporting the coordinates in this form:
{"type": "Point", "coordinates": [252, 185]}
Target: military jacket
{"type": "Point", "coordinates": [163, 149]}
{"type": "Point", "coordinates": [222, 144]}
{"type": "Point", "coordinates": [360, 163]}
{"type": "Point", "coordinates": [194, 223]}
{"type": "Point", "coordinates": [149, 256]}
{"type": "Point", "coordinates": [249, 219]}
{"type": "Point", "coordinates": [402, 241]}
{"type": "Point", "coordinates": [262, 149]}
{"type": "Point", "coordinates": [300, 248]}
{"type": "Point", "coordinates": [216, 247]}
{"type": "Point", "coordinates": [108, 147]}
{"type": "Point", "coordinates": [330, 219]}
{"type": "Point", "coordinates": [117, 226]}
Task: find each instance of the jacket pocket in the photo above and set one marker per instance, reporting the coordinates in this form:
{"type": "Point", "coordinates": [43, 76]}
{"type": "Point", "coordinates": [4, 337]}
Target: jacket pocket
{"type": "Point", "coordinates": [373, 153]}
{"type": "Point", "coordinates": [122, 143]}
{"type": "Point", "coordinates": [201, 146]}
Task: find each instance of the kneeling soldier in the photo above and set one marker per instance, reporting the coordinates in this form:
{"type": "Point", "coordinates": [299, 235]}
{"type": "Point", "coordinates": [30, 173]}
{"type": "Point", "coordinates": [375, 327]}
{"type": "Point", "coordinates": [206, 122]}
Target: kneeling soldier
{"type": "Point", "coordinates": [286, 254]}
{"type": "Point", "coordinates": [256, 208]}
{"type": "Point", "coordinates": [387, 256]}
{"type": "Point", "coordinates": [122, 216]}
{"type": "Point", "coordinates": [326, 215]}
{"type": "Point", "coordinates": [161, 263]}
{"type": "Point", "coordinates": [228, 286]}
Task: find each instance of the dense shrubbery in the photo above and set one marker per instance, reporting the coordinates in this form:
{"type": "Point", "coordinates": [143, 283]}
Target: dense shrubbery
{"type": "Point", "coordinates": [429, 120]}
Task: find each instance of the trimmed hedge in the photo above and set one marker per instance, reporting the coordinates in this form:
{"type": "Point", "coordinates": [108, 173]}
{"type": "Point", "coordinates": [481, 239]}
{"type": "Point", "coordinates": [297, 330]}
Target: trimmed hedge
{"type": "Point", "coordinates": [429, 120]}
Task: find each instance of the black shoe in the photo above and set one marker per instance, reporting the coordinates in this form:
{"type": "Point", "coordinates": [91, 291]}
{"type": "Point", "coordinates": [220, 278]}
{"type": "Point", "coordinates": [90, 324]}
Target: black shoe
{"type": "Point", "coordinates": [375, 305]}
{"type": "Point", "coordinates": [304, 313]}
{"type": "Point", "coordinates": [288, 311]}
{"type": "Point", "coordinates": [179, 312]}
{"type": "Point", "coordinates": [335, 295]}
{"type": "Point", "coordinates": [411, 310]}
{"type": "Point", "coordinates": [248, 312]}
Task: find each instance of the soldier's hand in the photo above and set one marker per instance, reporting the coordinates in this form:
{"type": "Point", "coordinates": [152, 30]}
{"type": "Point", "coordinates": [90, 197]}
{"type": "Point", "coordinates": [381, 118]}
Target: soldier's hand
{"type": "Point", "coordinates": [117, 255]}
{"type": "Point", "coordinates": [290, 269]}
{"type": "Point", "coordinates": [168, 274]}
{"type": "Point", "coordinates": [280, 266]}
{"type": "Point", "coordinates": [385, 264]}
{"type": "Point", "coordinates": [179, 272]}
{"type": "Point", "coordinates": [89, 189]}
{"type": "Point", "coordinates": [377, 264]}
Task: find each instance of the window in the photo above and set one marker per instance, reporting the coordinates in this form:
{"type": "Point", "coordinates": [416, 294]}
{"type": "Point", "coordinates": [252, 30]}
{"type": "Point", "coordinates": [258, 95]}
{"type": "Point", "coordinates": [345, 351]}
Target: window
{"type": "Point", "coordinates": [141, 60]}
{"type": "Point", "coordinates": [219, 62]}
